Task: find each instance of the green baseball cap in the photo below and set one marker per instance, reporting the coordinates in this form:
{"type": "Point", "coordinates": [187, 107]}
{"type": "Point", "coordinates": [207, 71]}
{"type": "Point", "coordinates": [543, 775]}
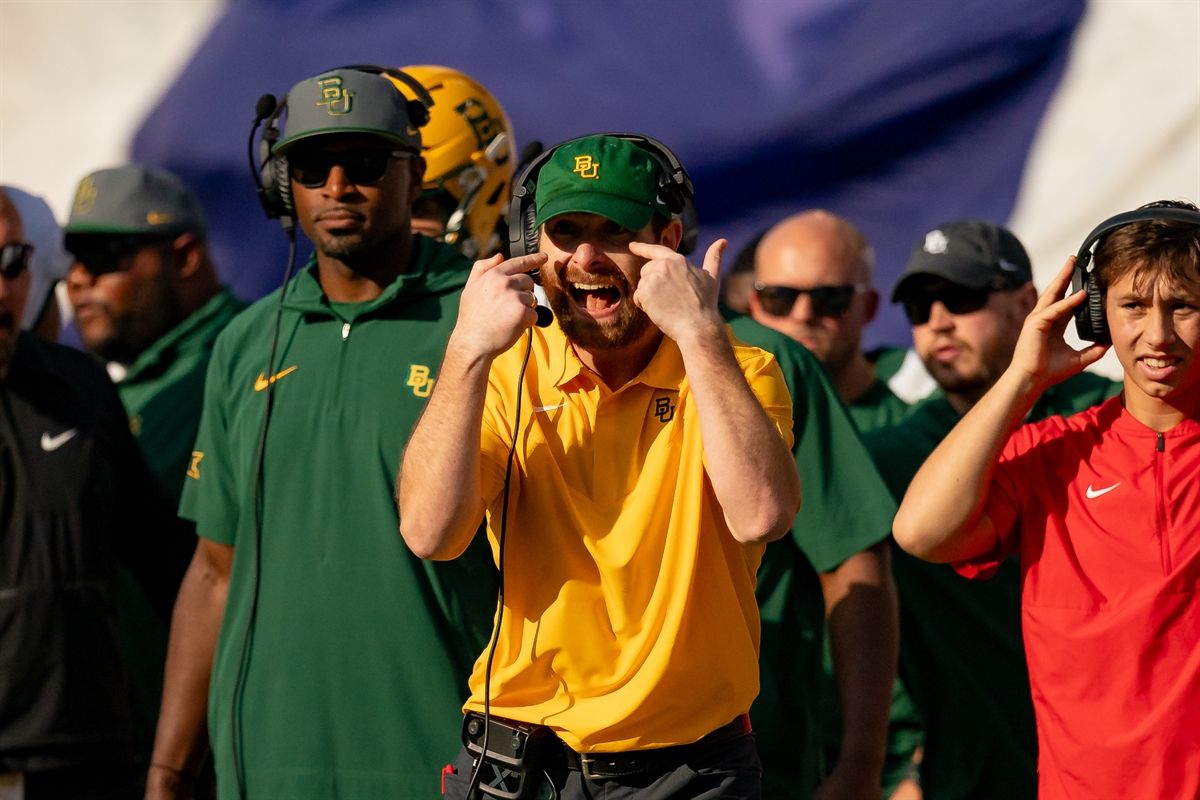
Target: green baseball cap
{"type": "Point", "coordinates": [133, 200]}
{"type": "Point", "coordinates": [348, 101]}
{"type": "Point", "coordinates": [602, 175]}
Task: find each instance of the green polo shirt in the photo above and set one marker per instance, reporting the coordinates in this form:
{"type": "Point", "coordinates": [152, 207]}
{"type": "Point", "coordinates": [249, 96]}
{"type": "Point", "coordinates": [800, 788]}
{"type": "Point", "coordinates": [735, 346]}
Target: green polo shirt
{"type": "Point", "coordinates": [356, 666]}
{"type": "Point", "coordinates": [961, 653]}
{"type": "Point", "coordinates": [163, 390]}
{"type": "Point", "coordinates": [846, 509]}
{"type": "Point", "coordinates": [877, 407]}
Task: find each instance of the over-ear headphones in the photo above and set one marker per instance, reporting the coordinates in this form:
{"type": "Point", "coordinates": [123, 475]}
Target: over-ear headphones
{"type": "Point", "coordinates": [1091, 322]}
{"type": "Point", "coordinates": [271, 178]}
{"type": "Point", "coordinates": [674, 187]}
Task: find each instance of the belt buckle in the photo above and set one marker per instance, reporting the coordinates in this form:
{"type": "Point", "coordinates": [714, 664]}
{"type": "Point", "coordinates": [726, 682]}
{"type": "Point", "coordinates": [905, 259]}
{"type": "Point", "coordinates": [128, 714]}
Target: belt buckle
{"type": "Point", "coordinates": [607, 766]}
{"type": "Point", "coordinates": [585, 766]}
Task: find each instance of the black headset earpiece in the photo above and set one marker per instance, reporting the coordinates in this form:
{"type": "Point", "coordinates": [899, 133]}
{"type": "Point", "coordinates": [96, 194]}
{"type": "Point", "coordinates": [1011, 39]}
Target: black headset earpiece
{"type": "Point", "coordinates": [272, 179]}
{"type": "Point", "coordinates": [1091, 323]}
{"type": "Point", "coordinates": [674, 186]}
{"type": "Point", "coordinates": [271, 173]}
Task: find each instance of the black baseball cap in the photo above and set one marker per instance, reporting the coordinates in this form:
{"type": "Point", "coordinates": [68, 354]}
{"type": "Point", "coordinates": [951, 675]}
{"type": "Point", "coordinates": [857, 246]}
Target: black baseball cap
{"type": "Point", "coordinates": [971, 252]}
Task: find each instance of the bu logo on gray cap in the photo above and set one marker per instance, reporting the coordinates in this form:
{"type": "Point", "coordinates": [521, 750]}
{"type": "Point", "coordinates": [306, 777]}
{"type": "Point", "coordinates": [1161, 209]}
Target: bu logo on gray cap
{"type": "Point", "coordinates": [334, 96]}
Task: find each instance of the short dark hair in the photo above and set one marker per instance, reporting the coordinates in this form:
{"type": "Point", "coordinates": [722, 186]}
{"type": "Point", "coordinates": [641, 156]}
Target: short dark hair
{"type": "Point", "coordinates": [1152, 248]}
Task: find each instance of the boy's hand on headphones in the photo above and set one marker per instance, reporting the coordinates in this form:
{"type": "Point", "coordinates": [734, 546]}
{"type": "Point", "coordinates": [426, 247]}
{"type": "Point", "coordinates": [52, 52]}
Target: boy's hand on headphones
{"type": "Point", "coordinates": [496, 306]}
{"type": "Point", "coordinates": [1042, 355]}
{"type": "Point", "coordinates": [680, 299]}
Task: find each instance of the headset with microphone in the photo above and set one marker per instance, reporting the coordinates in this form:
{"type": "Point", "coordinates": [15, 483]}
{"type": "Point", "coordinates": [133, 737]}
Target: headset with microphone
{"type": "Point", "coordinates": [1091, 323]}
{"type": "Point", "coordinates": [271, 179]}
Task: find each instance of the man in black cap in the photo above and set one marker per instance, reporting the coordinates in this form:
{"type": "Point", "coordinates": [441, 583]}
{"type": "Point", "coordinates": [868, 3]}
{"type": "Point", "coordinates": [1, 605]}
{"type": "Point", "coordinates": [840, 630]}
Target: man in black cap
{"type": "Point", "coordinates": [326, 659]}
{"type": "Point", "coordinates": [75, 495]}
{"type": "Point", "coordinates": [966, 290]}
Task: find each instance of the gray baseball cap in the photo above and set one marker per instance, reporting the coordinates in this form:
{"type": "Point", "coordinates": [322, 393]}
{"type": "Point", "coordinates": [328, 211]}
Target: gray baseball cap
{"type": "Point", "coordinates": [120, 201]}
{"type": "Point", "coordinates": [348, 101]}
{"type": "Point", "coordinates": [50, 261]}
{"type": "Point", "coordinates": [970, 252]}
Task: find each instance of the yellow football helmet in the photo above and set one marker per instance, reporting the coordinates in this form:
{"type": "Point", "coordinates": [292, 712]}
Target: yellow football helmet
{"type": "Point", "coordinates": [470, 157]}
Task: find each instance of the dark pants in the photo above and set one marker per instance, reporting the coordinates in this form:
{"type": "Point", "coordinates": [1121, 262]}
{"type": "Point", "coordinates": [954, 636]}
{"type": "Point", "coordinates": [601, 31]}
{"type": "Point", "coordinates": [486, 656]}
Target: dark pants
{"type": "Point", "coordinates": [86, 783]}
{"type": "Point", "coordinates": [728, 770]}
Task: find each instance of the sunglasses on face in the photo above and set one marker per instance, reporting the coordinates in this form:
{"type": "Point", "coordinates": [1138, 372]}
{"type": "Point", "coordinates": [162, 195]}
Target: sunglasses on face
{"type": "Point", "coordinates": [827, 301]}
{"type": "Point", "coordinates": [956, 299]}
{"type": "Point", "coordinates": [362, 167]}
{"type": "Point", "coordinates": [100, 255]}
{"type": "Point", "coordinates": [14, 259]}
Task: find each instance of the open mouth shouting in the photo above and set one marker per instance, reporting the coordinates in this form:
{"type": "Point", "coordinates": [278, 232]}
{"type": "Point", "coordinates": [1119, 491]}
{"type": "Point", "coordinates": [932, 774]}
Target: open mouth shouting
{"type": "Point", "coordinates": [597, 299]}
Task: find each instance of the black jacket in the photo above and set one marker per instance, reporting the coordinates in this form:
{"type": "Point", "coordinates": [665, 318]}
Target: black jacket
{"type": "Point", "coordinates": [75, 493]}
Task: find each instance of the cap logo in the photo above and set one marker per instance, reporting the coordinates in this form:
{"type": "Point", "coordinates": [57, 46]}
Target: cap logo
{"type": "Point", "coordinates": [1007, 265]}
{"type": "Point", "coordinates": [85, 196]}
{"type": "Point", "coordinates": [484, 127]}
{"type": "Point", "coordinates": [334, 96]}
{"type": "Point", "coordinates": [936, 243]}
{"type": "Point", "coordinates": [587, 168]}
{"type": "Point", "coordinates": [157, 218]}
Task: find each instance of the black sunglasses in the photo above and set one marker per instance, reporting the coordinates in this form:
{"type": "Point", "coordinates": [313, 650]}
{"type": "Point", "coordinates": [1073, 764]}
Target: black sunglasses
{"type": "Point", "coordinates": [827, 301]}
{"type": "Point", "coordinates": [14, 259]}
{"type": "Point", "coordinates": [362, 167]}
{"type": "Point", "coordinates": [100, 254]}
{"type": "Point", "coordinates": [957, 300]}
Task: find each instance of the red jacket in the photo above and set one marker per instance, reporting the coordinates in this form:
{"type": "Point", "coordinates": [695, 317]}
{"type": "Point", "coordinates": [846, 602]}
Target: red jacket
{"type": "Point", "coordinates": [1104, 514]}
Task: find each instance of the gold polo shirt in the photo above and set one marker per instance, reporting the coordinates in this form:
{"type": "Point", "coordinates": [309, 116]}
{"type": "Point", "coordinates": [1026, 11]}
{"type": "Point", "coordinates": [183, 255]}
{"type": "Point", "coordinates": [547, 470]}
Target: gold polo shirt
{"type": "Point", "coordinates": [630, 620]}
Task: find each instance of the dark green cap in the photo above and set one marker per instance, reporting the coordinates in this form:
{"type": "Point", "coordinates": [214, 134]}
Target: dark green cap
{"type": "Point", "coordinates": [602, 175]}
{"type": "Point", "coordinates": [134, 200]}
{"type": "Point", "coordinates": [348, 101]}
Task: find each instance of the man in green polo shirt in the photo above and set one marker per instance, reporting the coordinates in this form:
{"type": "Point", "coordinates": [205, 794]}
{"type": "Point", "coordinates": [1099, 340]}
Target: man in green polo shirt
{"type": "Point", "coordinates": [146, 298]}
{"type": "Point", "coordinates": [966, 290]}
{"type": "Point", "coordinates": [328, 660]}
{"type": "Point", "coordinates": [831, 566]}
{"type": "Point", "coordinates": [813, 282]}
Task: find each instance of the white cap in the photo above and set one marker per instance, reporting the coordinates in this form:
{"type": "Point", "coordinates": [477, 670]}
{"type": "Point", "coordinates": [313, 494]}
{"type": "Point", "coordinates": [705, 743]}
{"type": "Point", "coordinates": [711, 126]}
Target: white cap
{"type": "Point", "coordinates": [50, 262]}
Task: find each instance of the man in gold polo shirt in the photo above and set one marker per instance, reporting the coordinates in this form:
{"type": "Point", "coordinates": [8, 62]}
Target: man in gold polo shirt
{"type": "Point", "coordinates": [651, 465]}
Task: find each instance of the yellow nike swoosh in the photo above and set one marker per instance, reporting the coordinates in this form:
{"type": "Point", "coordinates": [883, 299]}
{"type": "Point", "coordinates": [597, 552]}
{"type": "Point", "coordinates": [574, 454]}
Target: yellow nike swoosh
{"type": "Point", "coordinates": [261, 381]}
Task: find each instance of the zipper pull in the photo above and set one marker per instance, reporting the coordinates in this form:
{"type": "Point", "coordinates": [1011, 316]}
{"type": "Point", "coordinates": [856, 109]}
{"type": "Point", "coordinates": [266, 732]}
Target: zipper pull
{"type": "Point", "coordinates": [346, 334]}
{"type": "Point", "coordinates": [1162, 445]}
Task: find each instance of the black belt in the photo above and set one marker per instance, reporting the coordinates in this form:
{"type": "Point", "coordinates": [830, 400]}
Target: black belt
{"type": "Point", "coordinates": [603, 766]}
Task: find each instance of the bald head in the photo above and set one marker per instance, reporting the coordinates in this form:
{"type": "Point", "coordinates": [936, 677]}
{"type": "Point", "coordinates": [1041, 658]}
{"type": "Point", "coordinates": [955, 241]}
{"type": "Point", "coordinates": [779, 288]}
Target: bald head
{"type": "Point", "coordinates": [12, 289]}
{"type": "Point", "coordinates": [816, 250]}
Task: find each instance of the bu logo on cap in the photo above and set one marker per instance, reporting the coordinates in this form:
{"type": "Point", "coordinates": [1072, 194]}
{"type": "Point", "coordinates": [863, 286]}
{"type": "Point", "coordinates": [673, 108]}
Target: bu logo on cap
{"type": "Point", "coordinates": [587, 168]}
{"type": "Point", "coordinates": [936, 243]}
{"type": "Point", "coordinates": [85, 196]}
{"type": "Point", "coordinates": [335, 97]}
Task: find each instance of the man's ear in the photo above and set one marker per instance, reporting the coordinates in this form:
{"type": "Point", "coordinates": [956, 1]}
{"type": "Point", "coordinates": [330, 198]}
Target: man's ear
{"type": "Point", "coordinates": [189, 254]}
{"type": "Point", "coordinates": [1029, 297]}
{"type": "Point", "coordinates": [416, 173]}
{"type": "Point", "coordinates": [756, 312]}
{"type": "Point", "coordinates": [870, 305]}
{"type": "Point", "coordinates": [672, 235]}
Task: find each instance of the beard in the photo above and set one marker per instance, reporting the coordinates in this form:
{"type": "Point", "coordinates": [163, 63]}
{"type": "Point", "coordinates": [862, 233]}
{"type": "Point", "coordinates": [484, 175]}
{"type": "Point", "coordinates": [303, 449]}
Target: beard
{"type": "Point", "coordinates": [349, 249]}
{"type": "Point", "coordinates": [629, 324]}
